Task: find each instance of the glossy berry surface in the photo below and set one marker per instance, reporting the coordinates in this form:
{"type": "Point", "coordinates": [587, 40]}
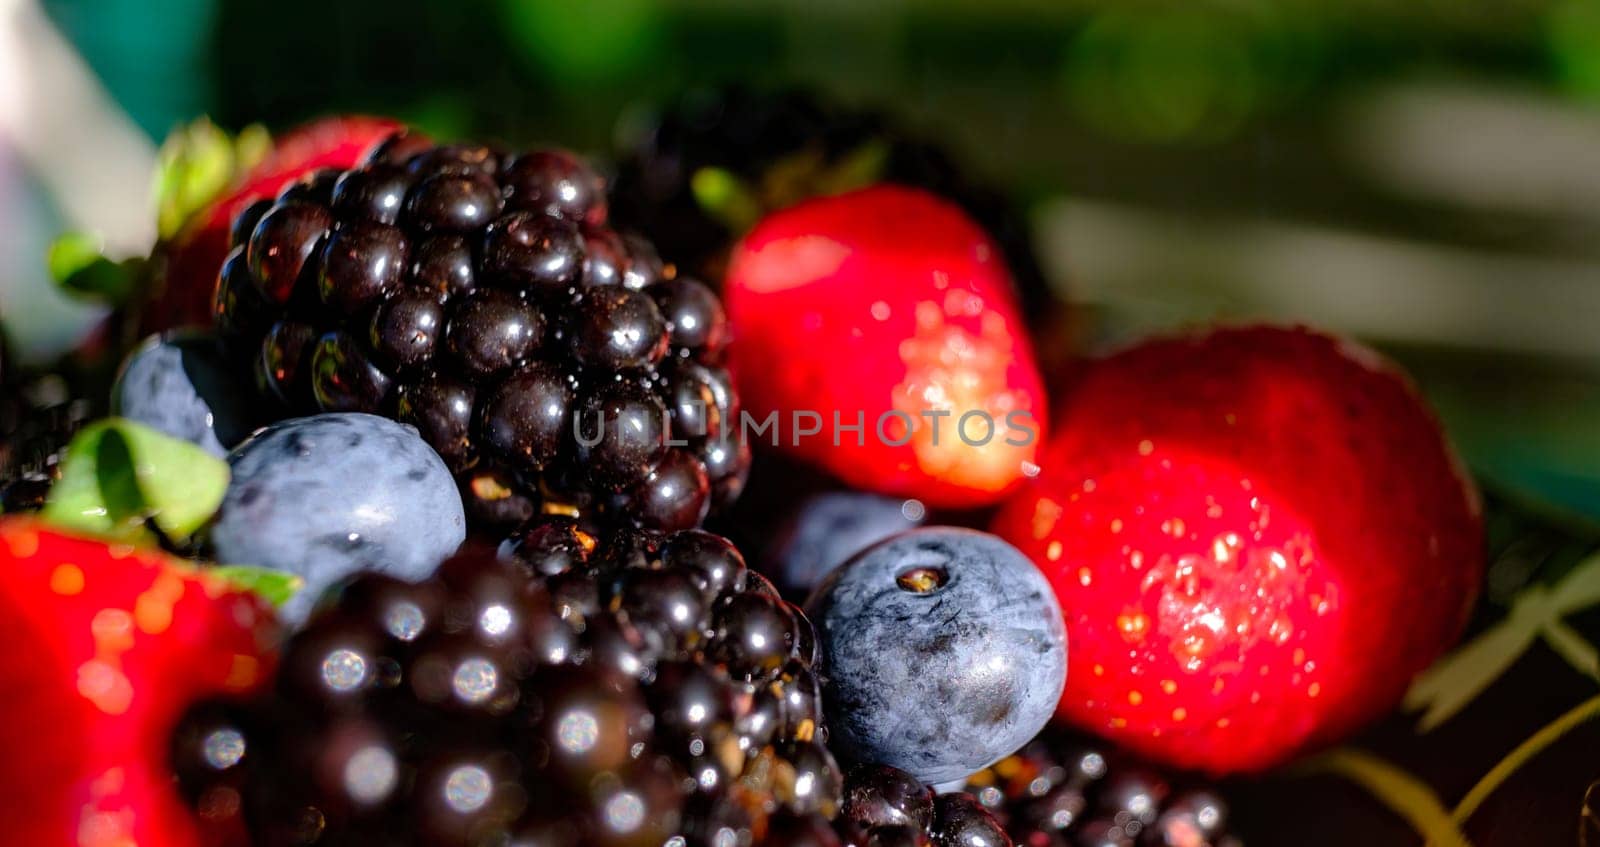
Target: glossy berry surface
{"type": "Point", "coordinates": [945, 652]}
{"type": "Point", "coordinates": [886, 806]}
{"type": "Point", "coordinates": [1258, 537]}
{"type": "Point", "coordinates": [480, 296]}
{"type": "Point", "coordinates": [565, 688]}
{"type": "Point", "coordinates": [282, 243]}
{"type": "Point", "coordinates": [327, 496]}
{"type": "Point", "coordinates": [190, 261]}
{"type": "Point", "coordinates": [108, 647]}
{"type": "Point", "coordinates": [941, 380]}
{"type": "Point", "coordinates": [1064, 789]}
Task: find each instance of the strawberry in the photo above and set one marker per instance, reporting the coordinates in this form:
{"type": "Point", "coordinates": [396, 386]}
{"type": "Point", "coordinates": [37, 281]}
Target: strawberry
{"type": "Point", "coordinates": [187, 274]}
{"type": "Point", "coordinates": [1258, 537]}
{"type": "Point", "coordinates": [105, 646]}
{"type": "Point", "coordinates": [890, 309]}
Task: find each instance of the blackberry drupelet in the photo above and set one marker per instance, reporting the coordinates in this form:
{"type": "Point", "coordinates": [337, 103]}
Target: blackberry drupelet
{"type": "Point", "coordinates": [885, 806]}
{"type": "Point", "coordinates": [784, 147]}
{"type": "Point", "coordinates": [573, 689]}
{"type": "Point", "coordinates": [1063, 791]}
{"type": "Point", "coordinates": [481, 297]}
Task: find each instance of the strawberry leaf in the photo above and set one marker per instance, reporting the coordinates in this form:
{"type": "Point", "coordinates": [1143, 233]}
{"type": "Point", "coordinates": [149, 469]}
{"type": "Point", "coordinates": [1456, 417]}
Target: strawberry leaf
{"type": "Point", "coordinates": [78, 265]}
{"type": "Point", "coordinates": [721, 194]}
{"type": "Point", "coordinates": [273, 586]}
{"type": "Point", "coordinates": [1580, 588]}
{"type": "Point", "coordinates": [1573, 647]}
{"type": "Point", "coordinates": [197, 163]}
{"type": "Point", "coordinates": [862, 166]}
{"type": "Point", "coordinates": [1454, 681]}
{"type": "Point", "coordinates": [116, 475]}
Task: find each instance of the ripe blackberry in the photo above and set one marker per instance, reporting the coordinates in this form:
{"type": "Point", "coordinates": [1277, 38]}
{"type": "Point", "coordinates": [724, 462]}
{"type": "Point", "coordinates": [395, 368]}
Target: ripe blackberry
{"type": "Point", "coordinates": [481, 297]}
{"type": "Point", "coordinates": [783, 147]}
{"type": "Point", "coordinates": [1062, 790]}
{"type": "Point", "coordinates": [887, 807]}
{"type": "Point", "coordinates": [614, 690]}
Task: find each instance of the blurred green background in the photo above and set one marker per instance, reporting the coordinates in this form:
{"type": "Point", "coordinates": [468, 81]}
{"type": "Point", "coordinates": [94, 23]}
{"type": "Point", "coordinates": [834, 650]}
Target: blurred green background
{"type": "Point", "coordinates": [1423, 174]}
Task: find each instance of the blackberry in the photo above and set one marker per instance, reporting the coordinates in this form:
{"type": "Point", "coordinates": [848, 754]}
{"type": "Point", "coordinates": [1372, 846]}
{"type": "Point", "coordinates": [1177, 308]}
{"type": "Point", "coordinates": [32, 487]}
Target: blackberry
{"type": "Point", "coordinates": [785, 146]}
{"type": "Point", "coordinates": [481, 297]}
{"type": "Point", "coordinates": [1063, 790]}
{"type": "Point", "coordinates": [616, 689]}
{"type": "Point", "coordinates": [887, 807]}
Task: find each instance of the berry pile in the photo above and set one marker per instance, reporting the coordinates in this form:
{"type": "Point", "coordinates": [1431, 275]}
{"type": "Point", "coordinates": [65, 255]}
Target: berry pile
{"type": "Point", "coordinates": [1060, 790]}
{"type": "Point", "coordinates": [571, 690]}
{"type": "Point", "coordinates": [481, 297]}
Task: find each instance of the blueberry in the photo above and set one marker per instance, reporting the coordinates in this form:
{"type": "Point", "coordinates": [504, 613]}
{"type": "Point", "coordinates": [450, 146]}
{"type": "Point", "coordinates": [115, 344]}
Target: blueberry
{"type": "Point", "coordinates": [828, 528]}
{"type": "Point", "coordinates": [182, 385]}
{"type": "Point", "coordinates": [330, 495]}
{"type": "Point", "coordinates": [945, 651]}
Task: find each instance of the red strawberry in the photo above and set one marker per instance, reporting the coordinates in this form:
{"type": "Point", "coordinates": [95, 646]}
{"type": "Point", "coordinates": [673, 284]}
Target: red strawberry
{"type": "Point", "coordinates": [887, 305]}
{"type": "Point", "coordinates": [186, 280]}
{"type": "Point", "coordinates": [104, 647]}
{"type": "Point", "coordinates": [1258, 536]}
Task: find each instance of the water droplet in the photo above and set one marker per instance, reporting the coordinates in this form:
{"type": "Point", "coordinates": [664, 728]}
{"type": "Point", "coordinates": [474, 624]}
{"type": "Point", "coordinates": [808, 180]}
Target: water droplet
{"type": "Point", "coordinates": [404, 621]}
{"type": "Point", "coordinates": [475, 680]}
{"type": "Point", "coordinates": [467, 788]}
{"type": "Point", "coordinates": [344, 670]}
{"type": "Point", "coordinates": [224, 748]}
{"type": "Point", "coordinates": [370, 774]}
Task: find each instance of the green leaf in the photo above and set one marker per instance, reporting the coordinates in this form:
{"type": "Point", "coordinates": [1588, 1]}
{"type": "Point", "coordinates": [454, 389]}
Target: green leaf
{"type": "Point", "coordinates": [724, 196]}
{"type": "Point", "coordinates": [250, 147]}
{"type": "Point", "coordinates": [1573, 647]}
{"type": "Point", "coordinates": [1455, 680]}
{"type": "Point", "coordinates": [78, 265]}
{"type": "Point", "coordinates": [197, 163]}
{"type": "Point", "coordinates": [861, 167]}
{"type": "Point", "coordinates": [72, 252]}
{"type": "Point", "coordinates": [1579, 589]}
{"type": "Point", "coordinates": [117, 474]}
{"type": "Point", "coordinates": [274, 586]}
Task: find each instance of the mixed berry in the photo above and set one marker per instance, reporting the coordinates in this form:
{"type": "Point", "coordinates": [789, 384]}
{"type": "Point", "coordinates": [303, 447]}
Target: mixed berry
{"type": "Point", "coordinates": [464, 432]}
{"type": "Point", "coordinates": [627, 689]}
{"type": "Point", "coordinates": [1061, 790]}
{"type": "Point", "coordinates": [480, 296]}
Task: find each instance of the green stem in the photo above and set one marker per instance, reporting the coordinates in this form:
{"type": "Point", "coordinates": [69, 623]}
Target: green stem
{"type": "Point", "coordinates": [1533, 746]}
{"type": "Point", "coordinates": [1403, 793]}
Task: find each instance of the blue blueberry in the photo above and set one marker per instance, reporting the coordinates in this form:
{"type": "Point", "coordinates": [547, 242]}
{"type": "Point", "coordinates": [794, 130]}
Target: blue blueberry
{"type": "Point", "coordinates": [181, 384]}
{"type": "Point", "coordinates": [944, 649]}
{"type": "Point", "coordinates": [327, 496]}
{"type": "Point", "coordinates": [828, 528]}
